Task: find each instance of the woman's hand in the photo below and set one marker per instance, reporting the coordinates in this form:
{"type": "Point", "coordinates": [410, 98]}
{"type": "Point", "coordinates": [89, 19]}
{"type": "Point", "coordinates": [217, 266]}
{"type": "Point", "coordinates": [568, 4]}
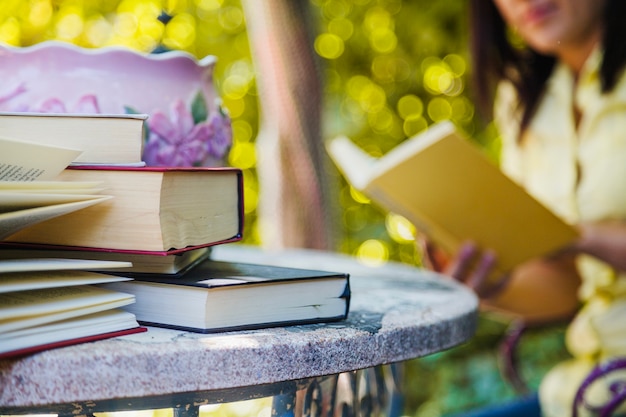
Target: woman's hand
{"type": "Point", "coordinates": [476, 269]}
{"type": "Point", "coordinates": [541, 290]}
{"type": "Point", "coordinates": [470, 265]}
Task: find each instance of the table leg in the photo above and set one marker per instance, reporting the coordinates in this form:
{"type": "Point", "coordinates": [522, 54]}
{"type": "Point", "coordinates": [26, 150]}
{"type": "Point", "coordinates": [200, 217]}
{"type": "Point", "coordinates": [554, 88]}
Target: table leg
{"type": "Point", "coordinates": [284, 405]}
{"type": "Point", "coordinates": [371, 392]}
{"type": "Point", "coordinates": [187, 411]}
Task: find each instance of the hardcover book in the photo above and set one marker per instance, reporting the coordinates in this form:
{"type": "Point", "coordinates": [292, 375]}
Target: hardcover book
{"type": "Point", "coordinates": [219, 296]}
{"type": "Point", "coordinates": [132, 263]}
{"type": "Point", "coordinates": [451, 192]}
{"type": "Point", "coordinates": [153, 210]}
{"type": "Point", "coordinates": [101, 138]}
{"type": "Point", "coordinates": [83, 329]}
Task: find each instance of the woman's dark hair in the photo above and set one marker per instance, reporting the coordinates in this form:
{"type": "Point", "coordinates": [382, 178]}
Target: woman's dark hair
{"type": "Point", "coordinates": [495, 58]}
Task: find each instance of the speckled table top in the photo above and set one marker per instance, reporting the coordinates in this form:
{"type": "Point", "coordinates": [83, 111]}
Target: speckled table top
{"type": "Point", "coordinates": [397, 312]}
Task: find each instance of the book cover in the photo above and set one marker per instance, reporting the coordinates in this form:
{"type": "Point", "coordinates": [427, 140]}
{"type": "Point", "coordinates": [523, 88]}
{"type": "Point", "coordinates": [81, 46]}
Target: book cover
{"type": "Point", "coordinates": [100, 138]}
{"type": "Point", "coordinates": [154, 210]}
{"type": "Point", "coordinates": [451, 192]}
{"type": "Point", "coordinates": [219, 296]}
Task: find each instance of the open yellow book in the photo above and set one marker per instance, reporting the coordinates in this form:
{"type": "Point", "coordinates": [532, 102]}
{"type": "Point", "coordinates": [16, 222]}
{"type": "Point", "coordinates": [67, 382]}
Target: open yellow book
{"type": "Point", "coordinates": [451, 192]}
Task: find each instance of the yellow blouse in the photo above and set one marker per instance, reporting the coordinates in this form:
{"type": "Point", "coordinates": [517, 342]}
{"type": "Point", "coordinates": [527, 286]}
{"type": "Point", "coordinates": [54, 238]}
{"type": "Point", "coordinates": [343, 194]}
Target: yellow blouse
{"type": "Point", "coordinates": [579, 171]}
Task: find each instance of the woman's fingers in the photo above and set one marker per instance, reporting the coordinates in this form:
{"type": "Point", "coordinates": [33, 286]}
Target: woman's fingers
{"type": "Point", "coordinates": [494, 288]}
{"type": "Point", "coordinates": [478, 278]}
{"type": "Point", "coordinates": [460, 267]}
{"type": "Point", "coordinates": [481, 279]}
{"type": "Point", "coordinates": [476, 269]}
{"type": "Point", "coordinates": [472, 267]}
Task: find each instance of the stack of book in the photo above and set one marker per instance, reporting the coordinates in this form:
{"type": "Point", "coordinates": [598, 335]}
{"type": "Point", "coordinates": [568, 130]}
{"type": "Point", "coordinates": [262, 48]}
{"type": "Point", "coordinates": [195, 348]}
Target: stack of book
{"type": "Point", "coordinates": [48, 303]}
{"type": "Point", "coordinates": [162, 221]}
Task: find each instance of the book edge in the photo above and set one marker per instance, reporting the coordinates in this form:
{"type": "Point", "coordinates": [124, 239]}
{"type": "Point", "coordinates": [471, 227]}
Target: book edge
{"type": "Point", "coordinates": [18, 353]}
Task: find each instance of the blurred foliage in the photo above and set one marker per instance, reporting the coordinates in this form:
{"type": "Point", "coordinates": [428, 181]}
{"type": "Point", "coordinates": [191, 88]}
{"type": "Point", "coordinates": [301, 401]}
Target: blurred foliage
{"type": "Point", "coordinates": [392, 68]}
{"type": "Point", "coordinates": [469, 376]}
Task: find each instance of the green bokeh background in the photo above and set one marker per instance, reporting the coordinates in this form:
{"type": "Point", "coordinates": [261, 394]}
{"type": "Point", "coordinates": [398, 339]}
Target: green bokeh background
{"type": "Point", "coordinates": [391, 68]}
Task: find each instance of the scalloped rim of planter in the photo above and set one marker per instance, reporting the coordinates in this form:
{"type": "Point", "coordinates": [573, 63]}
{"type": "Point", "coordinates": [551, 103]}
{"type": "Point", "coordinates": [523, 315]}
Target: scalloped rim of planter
{"type": "Point", "coordinates": [163, 56]}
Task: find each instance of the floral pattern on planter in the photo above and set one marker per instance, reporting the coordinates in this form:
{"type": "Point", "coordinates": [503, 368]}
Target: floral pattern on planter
{"type": "Point", "coordinates": [187, 125]}
{"type": "Point", "coordinates": [184, 140]}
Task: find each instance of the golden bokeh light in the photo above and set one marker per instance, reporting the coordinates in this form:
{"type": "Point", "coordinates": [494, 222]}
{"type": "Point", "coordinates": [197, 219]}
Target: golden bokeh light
{"type": "Point", "coordinates": [410, 105]}
{"type": "Point", "coordinates": [10, 31]}
{"type": "Point", "coordinates": [373, 252]}
{"type": "Point", "coordinates": [180, 32]}
{"type": "Point", "coordinates": [383, 40]}
{"type": "Point", "coordinates": [399, 228]}
{"type": "Point", "coordinates": [414, 124]}
{"type": "Point", "coordinates": [439, 109]}
{"type": "Point", "coordinates": [69, 25]}
{"type": "Point", "coordinates": [341, 27]}
{"type": "Point", "coordinates": [40, 14]}
{"type": "Point", "coordinates": [231, 19]}
{"type": "Point", "coordinates": [377, 18]}
{"type": "Point", "coordinates": [358, 196]}
{"type": "Point", "coordinates": [242, 155]}
{"type": "Point", "coordinates": [329, 46]}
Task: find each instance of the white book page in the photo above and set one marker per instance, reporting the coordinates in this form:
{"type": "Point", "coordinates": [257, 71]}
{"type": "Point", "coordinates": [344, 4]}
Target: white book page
{"type": "Point", "coordinates": [37, 302]}
{"type": "Point", "coordinates": [20, 281]}
{"type": "Point", "coordinates": [14, 221]}
{"type": "Point", "coordinates": [55, 264]}
{"type": "Point", "coordinates": [26, 161]}
{"type": "Point", "coordinates": [51, 187]}
{"type": "Point", "coordinates": [23, 309]}
{"type": "Point", "coordinates": [10, 201]}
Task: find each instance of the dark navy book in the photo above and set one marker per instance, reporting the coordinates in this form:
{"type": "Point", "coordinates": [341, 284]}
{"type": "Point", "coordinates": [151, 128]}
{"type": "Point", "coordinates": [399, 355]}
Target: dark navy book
{"type": "Point", "coordinates": [216, 296]}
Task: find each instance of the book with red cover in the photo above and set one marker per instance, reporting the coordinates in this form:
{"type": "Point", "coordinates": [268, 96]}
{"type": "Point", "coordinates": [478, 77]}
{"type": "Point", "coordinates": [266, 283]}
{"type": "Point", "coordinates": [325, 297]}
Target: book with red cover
{"type": "Point", "coordinates": [154, 210]}
{"type": "Point", "coordinates": [83, 329]}
{"type": "Point", "coordinates": [55, 345]}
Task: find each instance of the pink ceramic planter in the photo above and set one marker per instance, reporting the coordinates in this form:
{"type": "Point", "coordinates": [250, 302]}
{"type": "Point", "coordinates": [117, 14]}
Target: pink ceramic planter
{"type": "Point", "coordinates": [187, 125]}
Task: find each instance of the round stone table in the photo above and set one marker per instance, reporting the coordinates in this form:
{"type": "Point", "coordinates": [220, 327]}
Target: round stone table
{"type": "Point", "coordinates": [397, 312]}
